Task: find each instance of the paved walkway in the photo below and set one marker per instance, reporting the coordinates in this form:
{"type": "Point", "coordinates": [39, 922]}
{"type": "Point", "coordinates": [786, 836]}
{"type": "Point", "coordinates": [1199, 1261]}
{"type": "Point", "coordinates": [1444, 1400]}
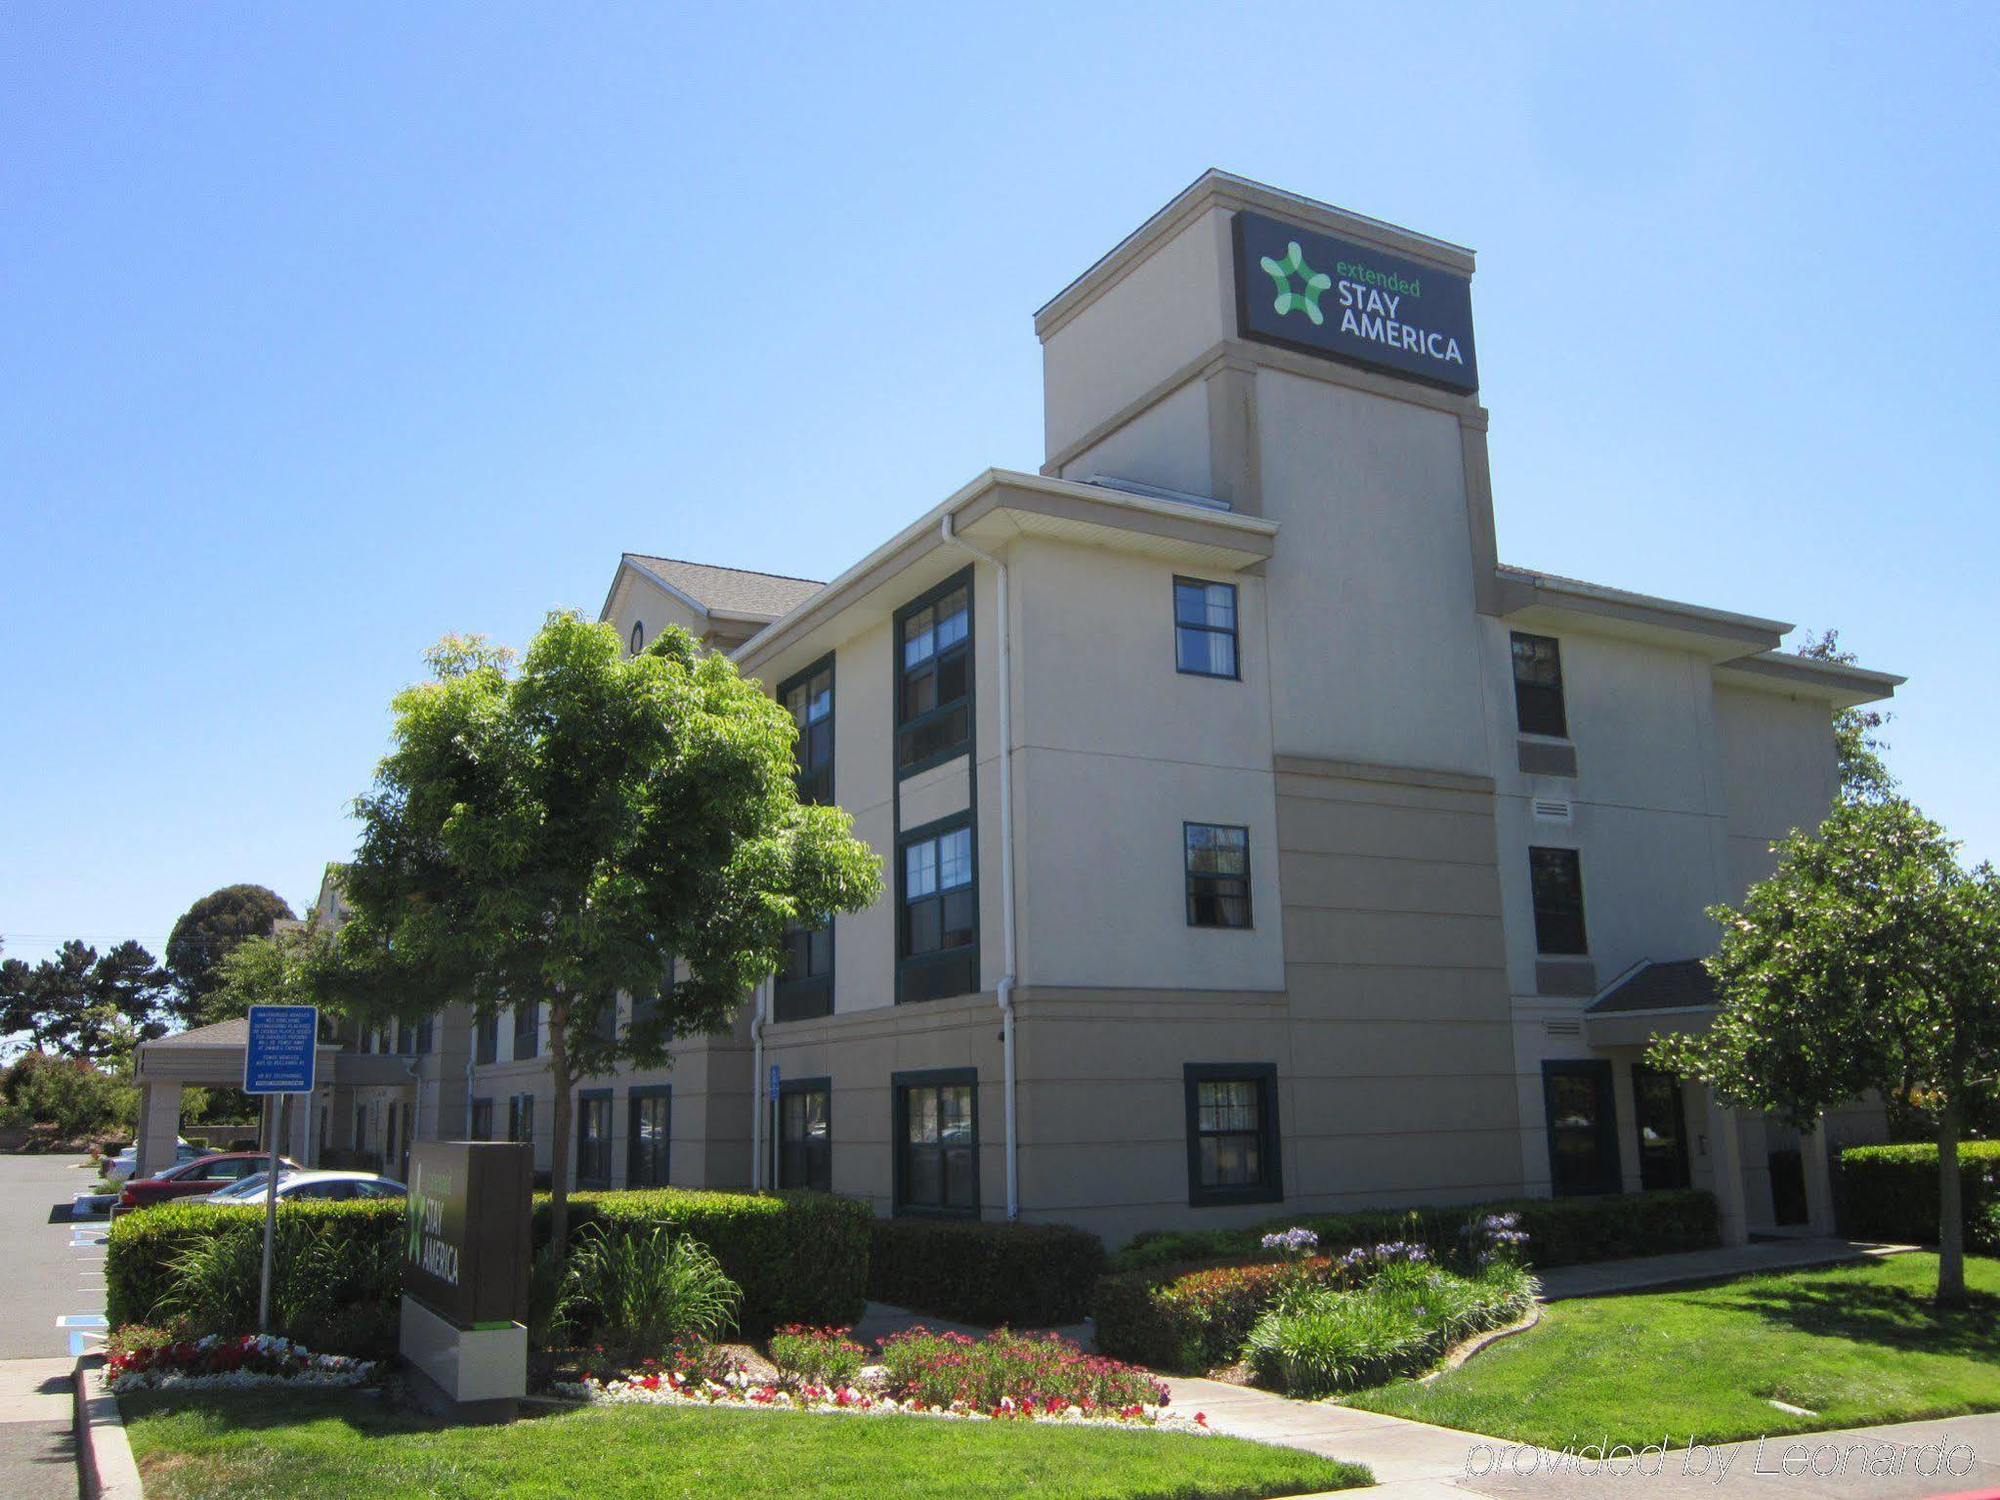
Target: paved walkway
{"type": "Point", "coordinates": [37, 1451]}
{"type": "Point", "coordinates": [1607, 1276]}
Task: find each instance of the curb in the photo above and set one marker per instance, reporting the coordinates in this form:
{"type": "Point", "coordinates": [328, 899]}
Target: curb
{"type": "Point", "coordinates": [1483, 1341]}
{"type": "Point", "coordinates": [103, 1454]}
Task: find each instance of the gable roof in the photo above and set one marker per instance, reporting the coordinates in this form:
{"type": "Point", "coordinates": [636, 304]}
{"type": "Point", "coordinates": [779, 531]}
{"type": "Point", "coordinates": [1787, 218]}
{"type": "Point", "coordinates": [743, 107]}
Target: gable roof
{"type": "Point", "coordinates": [728, 591]}
{"type": "Point", "coordinates": [1681, 985]}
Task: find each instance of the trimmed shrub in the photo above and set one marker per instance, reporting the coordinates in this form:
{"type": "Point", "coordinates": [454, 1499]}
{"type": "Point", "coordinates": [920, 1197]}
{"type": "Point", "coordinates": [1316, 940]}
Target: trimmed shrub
{"type": "Point", "coordinates": [1561, 1231]}
{"type": "Point", "coordinates": [1021, 1275]}
{"type": "Point", "coordinates": [1891, 1192]}
{"type": "Point", "coordinates": [798, 1257]}
{"type": "Point", "coordinates": [816, 1356]}
{"type": "Point", "coordinates": [1192, 1322]}
{"type": "Point", "coordinates": [1011, 1374]}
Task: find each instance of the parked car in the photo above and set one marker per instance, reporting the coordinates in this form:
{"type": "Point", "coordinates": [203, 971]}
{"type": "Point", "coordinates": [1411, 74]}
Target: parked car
{"type": "Point", "coordinates": [197, 1178]}
{"type": "Point", "coordinates": [126, 1162]}
{"type": "Point", "coordinates": [302, 1186]}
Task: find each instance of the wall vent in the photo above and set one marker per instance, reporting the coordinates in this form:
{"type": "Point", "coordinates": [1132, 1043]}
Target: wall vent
{"type": "Point", "coordinates": [1562, 1028]}
{"type": "Point", "coordinates": [1550, 810]}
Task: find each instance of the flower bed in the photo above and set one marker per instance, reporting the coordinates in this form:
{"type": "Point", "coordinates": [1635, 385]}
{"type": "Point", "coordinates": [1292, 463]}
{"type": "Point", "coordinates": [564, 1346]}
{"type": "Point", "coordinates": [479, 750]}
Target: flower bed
{"type": "Point", "coordinates": [213, 1361]}
{"type": "Point", "coordinates": [1003, 1377]}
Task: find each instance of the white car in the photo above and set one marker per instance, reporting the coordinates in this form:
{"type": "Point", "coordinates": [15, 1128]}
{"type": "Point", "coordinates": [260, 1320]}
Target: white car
{"type": "Point", "coordinates": [298, 1187]}
{"type": "Point", "coordinates": [126, 1162]}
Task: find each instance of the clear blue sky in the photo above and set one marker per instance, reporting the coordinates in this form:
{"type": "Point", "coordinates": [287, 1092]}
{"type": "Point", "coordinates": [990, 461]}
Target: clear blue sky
{"type": "Point", "coordinates": [330, 329]}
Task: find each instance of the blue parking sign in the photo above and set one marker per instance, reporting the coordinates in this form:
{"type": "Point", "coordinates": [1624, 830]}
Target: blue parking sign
{"type": "Point", "coordinates": [284, 1040]}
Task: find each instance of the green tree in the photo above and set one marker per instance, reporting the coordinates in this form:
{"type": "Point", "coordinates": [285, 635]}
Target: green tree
{"type": "Point", "coordinates": [280, 969]}
{"type": "Point", "coordinates": [205, 935]}
{"type": "Point", "coordinates": [558, 833]}
{"type": "Point", "coordinates": [1870, 961]}
{"type": "Point", "coordinates": [1857, 733]}
{"type": "Point", "coordinates": [80, 1002]}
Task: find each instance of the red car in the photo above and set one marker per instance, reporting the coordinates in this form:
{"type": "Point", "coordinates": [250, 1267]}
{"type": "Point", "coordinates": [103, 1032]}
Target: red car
{"type": "Point", "coordinates": [197, 1178]}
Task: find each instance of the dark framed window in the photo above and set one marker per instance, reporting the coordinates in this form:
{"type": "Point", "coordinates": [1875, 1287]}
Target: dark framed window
{"type": "Point", "coordinates": [804, 986]}
{"type": "Point", "coordinates": [808, 698]}
{"type": "Point", "coordinates": [1218, 874]}
{"type": "Point", "coordinates": [486, 1038]}
{"type": "Point", "coordinates": [1538, 686]}
{"type": "Point", "coordinates": [1660, 1117]}
{"type": "Point", "coordinates": [934, 676]}
{"type": "Point", "coordinates": [360, 1127]}
{"type": "Point", "coordinates": [937, 894]}
{"type": "Point", "coordinates": [1205, 628]}
{"type": "Point", "coordinates": [651, 1110]}
{"type": "Point", "coordinates": [936, 1130]}
{"type": "Point", "coordinates": [1557, 878]}
{"type": "Point", "coordinates": [1232, 1134]}
{"type": "Point", "coordinates": [527, 1030]}
{"type": "Point", "coordinates": [521, 1118]}
{"type": "Point", "coordinates": [406, 1039]}
{"type": "Point", "coordinates": [1583, 1127]}
{"type": "Point", "coordinates": [593, 1138]}
{"type": "Point", "coordinates": [805, 1133]}
{"type": "Point", "coordinates": [424, 1037]}
{"type": "Point", "coordinates": [646, 1007]}
{"type": "Point", "coordinates": [605, 1024]}
{"type": "Point", "coordinates": [638, 637]}
{"type": "Point", "coordinates": [482, 1120]}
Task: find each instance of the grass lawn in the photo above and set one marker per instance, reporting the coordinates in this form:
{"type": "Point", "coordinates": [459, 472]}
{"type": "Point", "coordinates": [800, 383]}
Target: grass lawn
{"type": "Point", "coordinates": [329, 1444]}
{"type": "Point", "coordinates": [1857, 1345]}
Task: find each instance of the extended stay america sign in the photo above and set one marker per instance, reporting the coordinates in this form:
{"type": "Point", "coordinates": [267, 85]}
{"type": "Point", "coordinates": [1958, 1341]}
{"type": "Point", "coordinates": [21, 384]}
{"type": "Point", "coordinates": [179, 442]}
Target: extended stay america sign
{"type": "Point", "coordinates": [1345, 301]}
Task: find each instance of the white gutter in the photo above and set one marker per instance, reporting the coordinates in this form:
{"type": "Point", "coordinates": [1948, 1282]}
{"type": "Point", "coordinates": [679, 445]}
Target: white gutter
{"type": "Point", "coordinates": [1007, 980]}
{"type": "Point", "coordinates": [757, 1087]}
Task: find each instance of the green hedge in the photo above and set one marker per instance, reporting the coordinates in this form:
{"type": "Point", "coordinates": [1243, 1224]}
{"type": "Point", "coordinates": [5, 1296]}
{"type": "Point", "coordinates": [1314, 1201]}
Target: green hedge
{"type": "Point", "coordinates": [1563, 1231]}
{"type": "Point", "coordinates": [1162, 1307]}
{"type": "Point", "coordinates": [1021, 1275]}
{"type": "Point", "coordinates": [799, 1257]}
{"type": "Point", "coordinates": [1891, 1193]}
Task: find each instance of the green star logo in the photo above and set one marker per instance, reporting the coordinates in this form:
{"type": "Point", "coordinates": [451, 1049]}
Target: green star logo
{"type": "Point", "coordinates": [1311, 283]}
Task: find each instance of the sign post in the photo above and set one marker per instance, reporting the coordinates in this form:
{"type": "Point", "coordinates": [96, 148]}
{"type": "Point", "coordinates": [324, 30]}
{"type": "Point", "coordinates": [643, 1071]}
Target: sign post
{"type": "Point", "coordinates": [278, 1060]}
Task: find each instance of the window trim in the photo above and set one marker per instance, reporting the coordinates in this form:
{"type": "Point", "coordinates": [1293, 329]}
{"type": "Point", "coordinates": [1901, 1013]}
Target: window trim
{"type": "Point", "coordinates": [486, 1049]}
{"type": "Point", "coordinates": [1600, 1069]}
{"type": "Point", "coordinates": [1582, 906]}
{"type": "Point", "coordinates": [1683, 1165]}
{"type": "Point", "coordinates": [1271, 1143]}
{"type": "Point", "coordinates": [534, 1032]}
{"type": "Point", "coordinates": [923, 833]}
{"type": "Point", "coordinates": [1235, 631]}
{"type": "Point", "coordinates": [472, 1124]}
{"type": "Point", "coordinates": [898, 726]}
{"type": "Point", "coordinates": [637, 638]}
{"type": "Point", "coordinates": [1562, 686]}
{"type": "Point", "coordinates": [808, 999]}
{"type": "Point", "coordinates": [806, 675]}
{"type": "Point", "coordinates": [787, 1087]}
{"type": "Point", "coordinates": [1188, 879]}
{"type": "Point", "coordinates": [642, 1093]}
{"type": "Point", "coordinates": [899, 1128]}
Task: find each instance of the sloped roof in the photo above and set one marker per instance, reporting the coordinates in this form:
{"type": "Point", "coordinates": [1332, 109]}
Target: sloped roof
{"type": "Point", "coordinates": [1681, 985]}
{"type": "Point", "coordinates": [735, 591]}
{"type": "Point", "coordinates": [231, 1033]}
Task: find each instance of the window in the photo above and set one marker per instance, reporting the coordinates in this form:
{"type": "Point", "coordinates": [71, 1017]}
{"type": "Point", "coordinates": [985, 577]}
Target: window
{"type": "Point", "coordinates": [1232, 1133]}
{"type": "Point", "coordinates": [934, 676]}
{"type": "Point", "coordinates": [805, 979]}
{"type": "Point", "coordinates": [808, 697]}
{"type": "Point", "coordinates": [651, 1107]}
{"type": "Point", "coordinates": [1557, 878]}
{"type": "Point", "coordinates": [360, 1127]}
{"type": "Point", "coordinates": [424, 1036]}
{"type": "Point", "coordinates": [638, 637]}
{"type": "Point", "coordinates": [1538, 686]}
{"type": "Point", "coordinates": [646, 1007]}
{"type": "Point", "coordinates": [1662, 1124]}
{"type": "Point", "coordinates": [1205, 628]}
{"type": "Point", "coordinates": [937, 1143]}
{"type": "Point", "coordinates": [521, 1118]}
{"type": "Point", "coordinates": [482, 1119]}
{"type": "Point", "coordinates": [1583, 1136]}
{"type": "Point", "coordinates": [606, 1023]}
{"type": "Point", "coordinates": [406, 1039]}
{"type": "Point", "coordinates": [805, 1134]}
{"type": "Point", "coordinates": [527, 1022]}
{"type": "Point", "coordinates": [1218, 874]}
{"type": "Point", "coordinates": [487, 1040]}
{"type": "Point", "coordinates": [939, 917]}
{"type": "Point", "coordinates": [593, 1138]}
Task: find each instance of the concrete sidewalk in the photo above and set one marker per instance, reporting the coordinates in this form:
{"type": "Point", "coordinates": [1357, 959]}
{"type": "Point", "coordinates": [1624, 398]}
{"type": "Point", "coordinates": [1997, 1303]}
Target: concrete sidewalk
{"type": "Point", "coordinates": [1605, 1277]}
{"type": "Point", "coordinates": [37, 1445]}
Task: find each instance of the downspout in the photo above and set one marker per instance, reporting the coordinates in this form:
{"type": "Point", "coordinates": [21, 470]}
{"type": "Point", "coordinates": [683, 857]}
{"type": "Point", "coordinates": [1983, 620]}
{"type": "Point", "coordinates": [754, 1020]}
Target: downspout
{"type": "Point", "coordinates": [757, 1087]}
{"type": "Point", "coordinates": [1008, 979]}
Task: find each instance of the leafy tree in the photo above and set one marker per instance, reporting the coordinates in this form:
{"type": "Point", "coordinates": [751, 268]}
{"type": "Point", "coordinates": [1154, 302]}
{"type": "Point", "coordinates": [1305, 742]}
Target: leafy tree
{"type": "Point", "coordinates": [80, 1003]}
{"type": "Point", "coordinates": [76, 1097]}
{"type": "Point", "coordinates": [1869, 961]}
{"type": "Point", "coordinates": [205, 935]}
{"type": "Point", "coordinates": [1857, 733]}
{"type": "Point", "coordinates": [275, 970]}
{"type": "Point", "coordinates": [558, 833]}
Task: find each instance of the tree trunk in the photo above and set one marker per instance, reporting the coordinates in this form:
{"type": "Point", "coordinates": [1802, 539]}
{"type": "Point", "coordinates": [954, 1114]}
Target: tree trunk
{"type": "Point", "coordinates": [1951, 1208]}
{"type": "Point", "coordinates": [559, 1166]}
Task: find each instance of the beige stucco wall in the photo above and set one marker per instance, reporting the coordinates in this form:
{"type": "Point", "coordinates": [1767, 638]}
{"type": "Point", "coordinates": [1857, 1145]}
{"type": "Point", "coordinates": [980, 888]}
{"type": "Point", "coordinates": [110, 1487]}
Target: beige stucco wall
{"type": "Point", "coordinates": [1779, 773]}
